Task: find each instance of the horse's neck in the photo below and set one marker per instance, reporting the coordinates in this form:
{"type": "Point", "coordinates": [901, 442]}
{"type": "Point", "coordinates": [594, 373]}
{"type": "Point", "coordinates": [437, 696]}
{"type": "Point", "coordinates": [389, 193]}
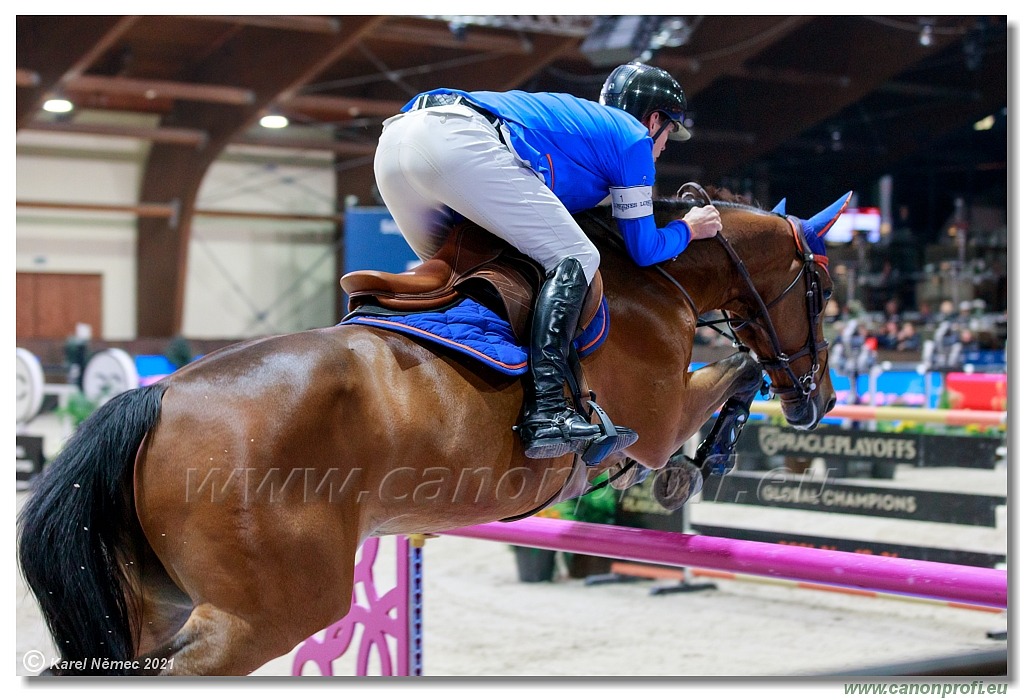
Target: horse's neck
{"type": "Point", "coordinates": [705, 269]}
{"type": "Point", "coordinates": [707, 274]}
{"type": "Point", "coordinates": [712, 278]}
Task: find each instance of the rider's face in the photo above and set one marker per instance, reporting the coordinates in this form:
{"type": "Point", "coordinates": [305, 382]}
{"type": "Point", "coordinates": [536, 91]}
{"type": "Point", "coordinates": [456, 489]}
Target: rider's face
{"type": "Point", "coordinates": [657, 119]}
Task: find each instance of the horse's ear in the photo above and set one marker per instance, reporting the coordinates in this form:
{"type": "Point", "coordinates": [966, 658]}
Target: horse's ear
{"type": "Point", "coordinates": [780, 208]}
{"type": "Point", "coordinates": [819, 224]}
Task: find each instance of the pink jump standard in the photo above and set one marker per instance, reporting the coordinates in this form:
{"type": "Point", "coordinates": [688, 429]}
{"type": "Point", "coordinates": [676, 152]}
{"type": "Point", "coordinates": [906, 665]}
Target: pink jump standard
{"type": "Point", "coordinates": [950, 582]}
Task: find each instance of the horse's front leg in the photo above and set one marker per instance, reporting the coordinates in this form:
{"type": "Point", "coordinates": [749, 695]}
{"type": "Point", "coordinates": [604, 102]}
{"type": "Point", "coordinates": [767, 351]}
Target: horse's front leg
{"type": "Point", "coordinates": [734, 381]}
{"type": "Point", "coordinates": [714, 452]}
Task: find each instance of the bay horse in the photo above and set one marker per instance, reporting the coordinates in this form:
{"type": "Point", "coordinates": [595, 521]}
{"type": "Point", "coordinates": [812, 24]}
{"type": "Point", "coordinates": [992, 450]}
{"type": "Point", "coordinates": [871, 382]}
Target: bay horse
{"type": "Point", "coordinates": [173, 530]}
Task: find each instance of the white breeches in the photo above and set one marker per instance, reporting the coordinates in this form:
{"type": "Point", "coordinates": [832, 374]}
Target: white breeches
{"type": "Point", "coordinates": [435, 160]}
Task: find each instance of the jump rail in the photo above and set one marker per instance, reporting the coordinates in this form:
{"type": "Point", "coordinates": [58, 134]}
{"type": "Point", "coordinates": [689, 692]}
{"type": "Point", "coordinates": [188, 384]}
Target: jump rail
{"type": "Point", "coordinates": [920, 415]}
{"type": "Point", "coordinates": [950, 582]}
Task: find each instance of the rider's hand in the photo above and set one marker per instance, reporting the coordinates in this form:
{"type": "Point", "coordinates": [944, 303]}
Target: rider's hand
{"type": "Point", "coordinates": [704, 222]}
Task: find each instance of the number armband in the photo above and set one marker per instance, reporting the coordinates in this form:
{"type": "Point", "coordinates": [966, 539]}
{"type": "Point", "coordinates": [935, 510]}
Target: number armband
{"type": "Point", "coordinates": [632, 202]}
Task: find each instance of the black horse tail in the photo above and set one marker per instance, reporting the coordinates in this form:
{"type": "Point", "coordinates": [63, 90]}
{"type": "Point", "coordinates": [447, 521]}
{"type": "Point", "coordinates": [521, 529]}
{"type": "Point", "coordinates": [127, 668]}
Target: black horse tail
{"type": "Point", "coordinates": [79, 534]}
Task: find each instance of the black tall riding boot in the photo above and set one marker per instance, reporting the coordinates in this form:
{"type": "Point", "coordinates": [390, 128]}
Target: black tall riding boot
{"type": "Point", "coordinates": [550, 428]}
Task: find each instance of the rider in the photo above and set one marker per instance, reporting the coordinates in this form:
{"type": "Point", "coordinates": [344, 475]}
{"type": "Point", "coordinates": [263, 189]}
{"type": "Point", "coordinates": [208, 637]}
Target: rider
{"type": "Point", "coordinates": [519, 164]}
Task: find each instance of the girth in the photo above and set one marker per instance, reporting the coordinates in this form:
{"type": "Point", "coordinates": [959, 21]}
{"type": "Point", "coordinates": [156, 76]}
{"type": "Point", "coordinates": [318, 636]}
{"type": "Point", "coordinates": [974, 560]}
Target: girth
{"type": "Point", "coordinates": [471, 262]}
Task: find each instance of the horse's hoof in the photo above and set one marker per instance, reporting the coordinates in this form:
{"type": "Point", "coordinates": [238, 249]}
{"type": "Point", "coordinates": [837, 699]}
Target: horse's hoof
{"type": "Point", "coordinates": [676, 484]}
{"type": "Point", "coordinates": [631, 474]}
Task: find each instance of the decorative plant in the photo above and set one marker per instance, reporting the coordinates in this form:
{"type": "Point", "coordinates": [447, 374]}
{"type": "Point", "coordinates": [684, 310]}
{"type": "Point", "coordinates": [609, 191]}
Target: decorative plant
{"type": "Point", "coordinates": [77, 408]}
{"type": "Point", "coordinates": [179, 352]}
{"type": "Point", "coordinates": [595, 507]}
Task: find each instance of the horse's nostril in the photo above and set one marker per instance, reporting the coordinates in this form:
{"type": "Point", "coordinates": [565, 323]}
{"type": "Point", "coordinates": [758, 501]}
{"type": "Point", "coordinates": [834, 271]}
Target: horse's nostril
{"type": "Point", "coordinates": [831, 404]}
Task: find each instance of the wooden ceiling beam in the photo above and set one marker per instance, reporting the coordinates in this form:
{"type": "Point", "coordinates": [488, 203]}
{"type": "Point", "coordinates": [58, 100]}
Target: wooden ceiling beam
{"type": "Point", "coordinates": [169, 211]}
{"type": "Point", "coordinates": [158, 211]}
{"type": "Point", "coordinates": [546, 51]}
{"type": "Point", "coordinates": [440, 36]}
{"type": "Point", "coordinates": [335, 108]}
{"type": "Point", "coordinates": [291, 23]}
{"type": "Point", "coordinates": [784, 114]}
{"type": "Point", "coordinates": [722, 45]}
{"type": "Point", "coordinates": [57, 48]}
{"type": "Point", "coordinates": [23, 77]}
{"type": "Point", "coordinates": [782, 76]}
{"type": "Point", "coordinates": [178, 136]}
{"type": "Point", "coordinates": [274, 65]}
{"type": "Point", "coordinates": [153, 89]}
{"type": "Point", "coordinates": [197, 138]}
{"type": "Point", "coordinates": [341, 148]}
{"type": "Point", "coordinates": [100, 47]}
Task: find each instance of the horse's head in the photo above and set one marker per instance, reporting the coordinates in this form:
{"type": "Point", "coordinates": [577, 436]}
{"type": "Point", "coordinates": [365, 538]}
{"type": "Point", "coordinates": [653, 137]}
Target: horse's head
{"type": "Point", "coordinates": [781, 318]}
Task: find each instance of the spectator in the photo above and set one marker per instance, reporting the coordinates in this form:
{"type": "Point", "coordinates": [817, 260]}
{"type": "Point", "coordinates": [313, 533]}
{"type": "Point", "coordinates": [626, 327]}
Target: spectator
{"type": "Point", "coordinates": [968, 341]}
{"type": "Point", "coordinates": [892, 310]}
{"type": "Point", "coordinates": [924, 313]}
{"type": "Point", "coordinates": [888, 338]}
{"type": "Point", "coordinates": [947, 311]}
{"type": "Point", "coordinates": [908, 339]}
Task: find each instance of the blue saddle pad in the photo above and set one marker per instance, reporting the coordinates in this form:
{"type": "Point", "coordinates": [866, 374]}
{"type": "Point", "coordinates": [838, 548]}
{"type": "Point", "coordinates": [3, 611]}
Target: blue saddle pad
{"type": "Point", "coordinates": [478, 333]}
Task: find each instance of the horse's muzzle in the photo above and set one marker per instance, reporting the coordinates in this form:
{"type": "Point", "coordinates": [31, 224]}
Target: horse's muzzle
{"type": "Point", "coordinates": [806, 414]}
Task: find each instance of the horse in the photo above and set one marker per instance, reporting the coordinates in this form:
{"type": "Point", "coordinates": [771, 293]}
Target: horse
{"type": "Point", "coordinates": [172, 531]}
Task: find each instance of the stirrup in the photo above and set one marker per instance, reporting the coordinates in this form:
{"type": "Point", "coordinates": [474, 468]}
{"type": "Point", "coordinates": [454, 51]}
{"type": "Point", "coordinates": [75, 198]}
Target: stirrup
{"type": "Point", "coordinates": [613, 438]}
{"type": "Point", "coordinates": [554, 445]}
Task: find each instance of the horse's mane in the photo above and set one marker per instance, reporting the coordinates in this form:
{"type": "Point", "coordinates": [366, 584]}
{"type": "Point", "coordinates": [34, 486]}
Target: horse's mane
{"type": "Point", "coordinates": [676, 207]}
{"type": "Point", "coordinates": [723, 196]}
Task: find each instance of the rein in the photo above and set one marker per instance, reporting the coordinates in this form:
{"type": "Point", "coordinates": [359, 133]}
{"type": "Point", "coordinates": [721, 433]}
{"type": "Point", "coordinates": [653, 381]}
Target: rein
{"type": "Point", "coordinates": [801, 386]}
{"type": "Point", "coordinates": [805, 384]}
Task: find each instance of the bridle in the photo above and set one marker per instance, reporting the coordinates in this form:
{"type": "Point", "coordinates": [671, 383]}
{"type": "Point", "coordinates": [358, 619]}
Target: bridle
{"type": "Point", "coordinates": [803, 386]}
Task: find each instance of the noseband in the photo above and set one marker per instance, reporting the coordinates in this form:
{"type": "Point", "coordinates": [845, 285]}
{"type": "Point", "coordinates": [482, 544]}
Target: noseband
{"type": "Point", "coordinates": [803, 386]}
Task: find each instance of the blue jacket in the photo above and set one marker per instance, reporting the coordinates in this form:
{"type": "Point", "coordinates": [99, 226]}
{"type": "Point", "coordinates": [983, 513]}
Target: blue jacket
{"type": "Point", "coordinates": [582, 150]}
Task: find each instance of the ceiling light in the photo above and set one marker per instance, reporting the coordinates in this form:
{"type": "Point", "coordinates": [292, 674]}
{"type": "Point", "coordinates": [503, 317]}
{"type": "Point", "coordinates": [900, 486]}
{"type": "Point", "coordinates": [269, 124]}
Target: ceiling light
{"type": "Point", "coordinates": [985, 124]}
{"type": "Point", "coordinates": [58, 106]}
{"type": "Point", "coordinates": [926, 35]}
{"type": "Point", "coordinates": [274, 121]}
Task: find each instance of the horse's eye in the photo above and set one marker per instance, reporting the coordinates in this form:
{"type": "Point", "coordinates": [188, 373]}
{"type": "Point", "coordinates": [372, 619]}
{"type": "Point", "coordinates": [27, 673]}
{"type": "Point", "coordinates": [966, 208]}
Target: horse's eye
{"type": "Point", "coordinates": [828, 294]}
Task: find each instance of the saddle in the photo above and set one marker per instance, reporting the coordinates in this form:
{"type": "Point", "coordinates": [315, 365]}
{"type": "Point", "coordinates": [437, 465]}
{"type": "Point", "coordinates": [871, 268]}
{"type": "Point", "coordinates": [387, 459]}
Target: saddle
{"type": "Point", "coordinates": [473, 263]}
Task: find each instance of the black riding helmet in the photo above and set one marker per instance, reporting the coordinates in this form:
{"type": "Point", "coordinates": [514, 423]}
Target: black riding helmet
{"type": "Point", "coordinates": [641, 89]}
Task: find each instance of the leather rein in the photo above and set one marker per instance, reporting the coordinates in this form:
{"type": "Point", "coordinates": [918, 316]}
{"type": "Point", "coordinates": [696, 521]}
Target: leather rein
{"type": "Point", "coordinates": [802, 386]}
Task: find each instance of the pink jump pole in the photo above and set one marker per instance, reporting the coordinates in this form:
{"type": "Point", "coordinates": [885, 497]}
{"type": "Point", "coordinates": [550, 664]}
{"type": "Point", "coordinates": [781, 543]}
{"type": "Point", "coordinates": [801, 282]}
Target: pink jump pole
{"type": "Point", "coordinates": [950, 582]}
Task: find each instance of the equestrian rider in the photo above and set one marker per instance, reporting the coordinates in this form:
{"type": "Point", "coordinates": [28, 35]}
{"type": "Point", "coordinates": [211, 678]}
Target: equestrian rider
{"type": "Point", "coordinates": [520, 164]}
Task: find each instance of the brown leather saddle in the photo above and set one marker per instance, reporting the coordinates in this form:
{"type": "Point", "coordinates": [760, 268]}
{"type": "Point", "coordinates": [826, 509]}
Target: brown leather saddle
{"type": "Point", "coordinates": [473, 263]}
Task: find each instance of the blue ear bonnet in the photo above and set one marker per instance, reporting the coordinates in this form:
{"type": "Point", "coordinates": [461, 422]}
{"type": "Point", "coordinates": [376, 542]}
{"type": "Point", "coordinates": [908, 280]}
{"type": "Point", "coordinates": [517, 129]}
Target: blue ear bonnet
{"type": "Point", "coordinates": [817, 226]}
{"type": "Point", "coordinates": [817, 245]}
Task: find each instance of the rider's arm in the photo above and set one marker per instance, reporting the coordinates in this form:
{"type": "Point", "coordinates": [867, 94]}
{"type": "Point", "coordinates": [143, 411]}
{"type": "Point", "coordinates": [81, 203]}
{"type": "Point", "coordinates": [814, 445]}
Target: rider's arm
{"type": "Point", "coordinates": [649, 245]}
{"type": "Point", "coordinates": [633, 209]}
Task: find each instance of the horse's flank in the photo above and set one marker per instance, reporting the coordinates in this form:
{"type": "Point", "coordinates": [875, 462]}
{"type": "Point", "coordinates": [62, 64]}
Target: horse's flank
{"type": "Point", "coordinates": [266, 464]}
